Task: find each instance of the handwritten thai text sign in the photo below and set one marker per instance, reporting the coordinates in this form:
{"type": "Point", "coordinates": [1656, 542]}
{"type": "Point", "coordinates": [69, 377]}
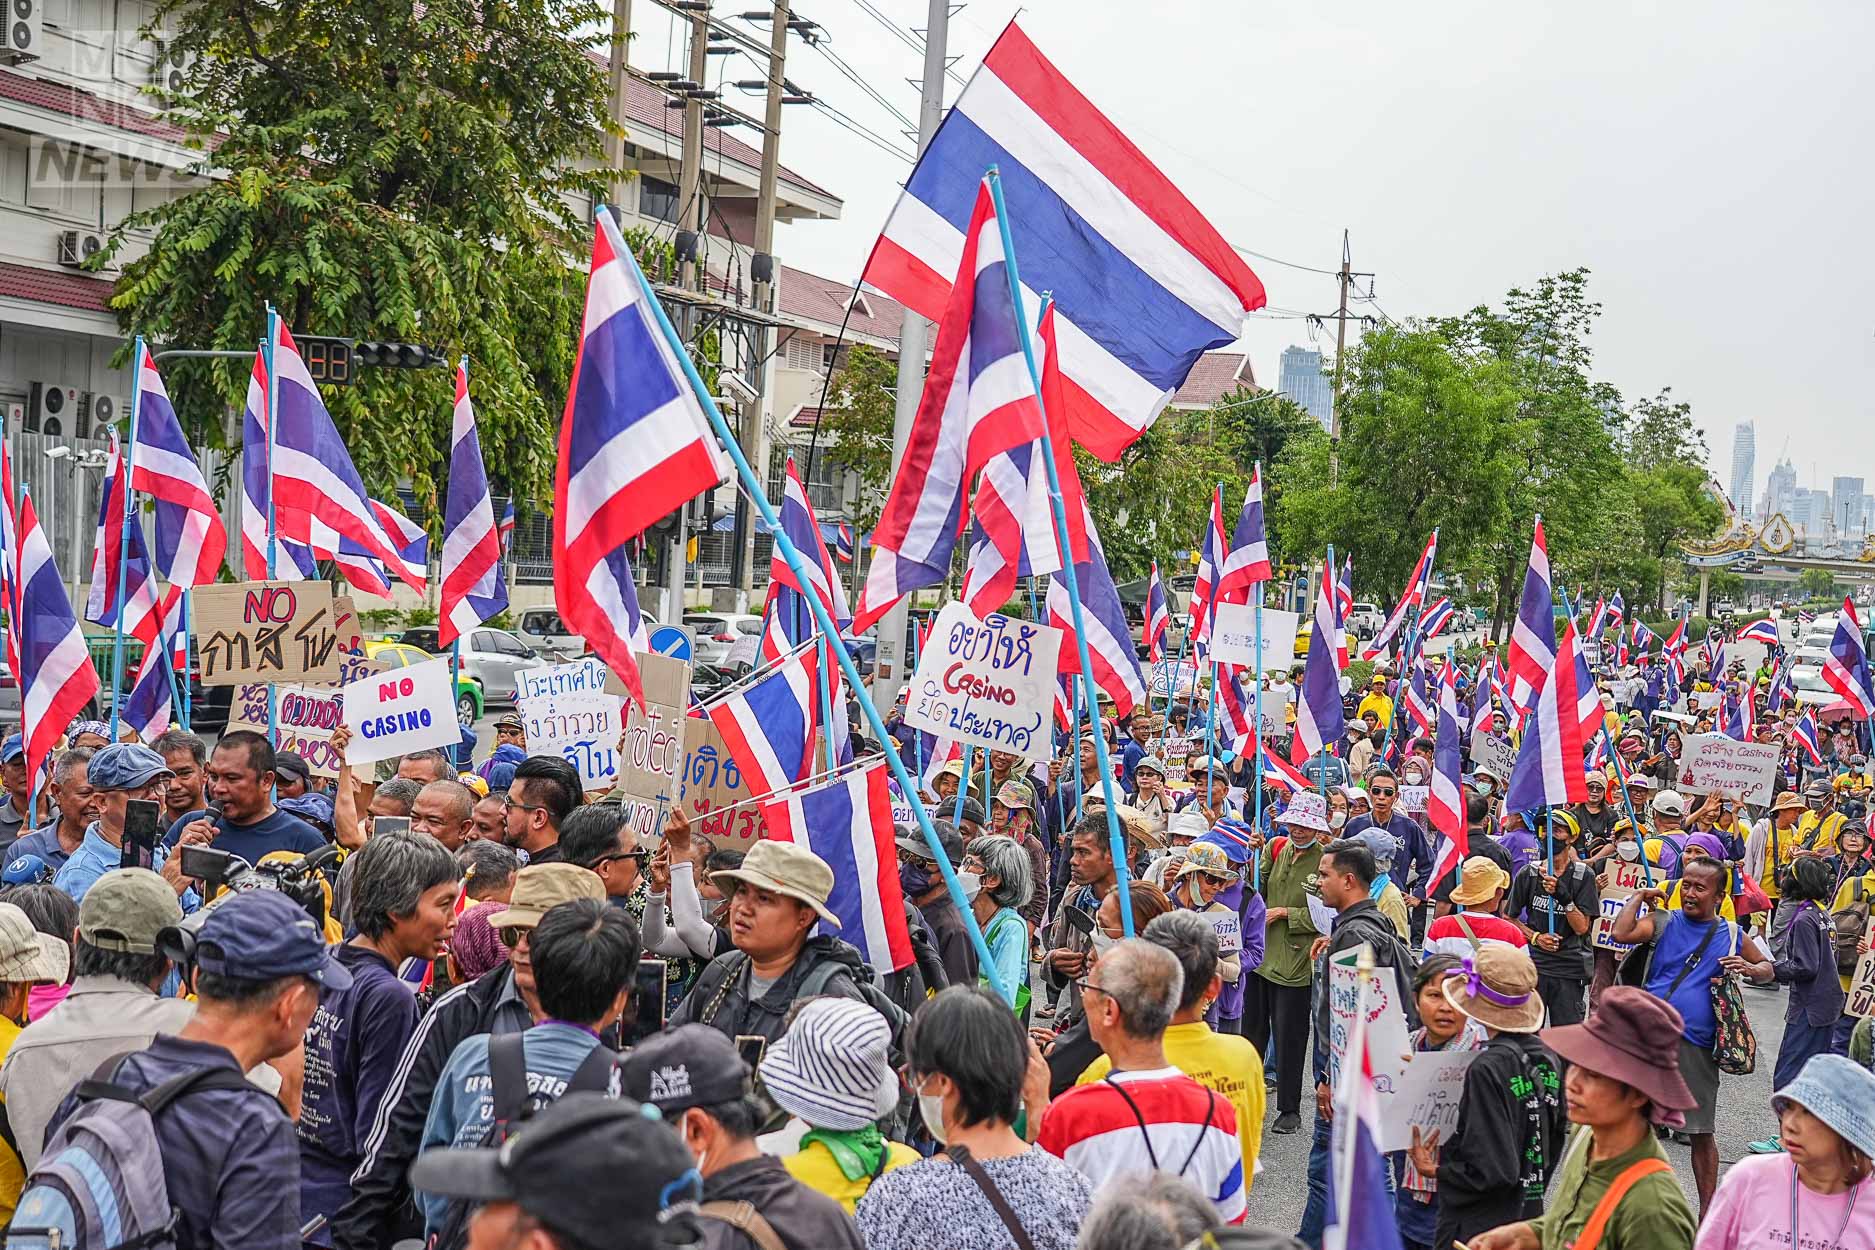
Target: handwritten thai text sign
{"type": "Point", "coordinates": [265, 631]}
{"type": "Point", "coordinates": [1234, 637]}
{"type": "Point", "coordinates": [304, 721]}
{"type": "Point", "coordinates": [1716, 764]}
{"type": "Point", "coordinates": [988, 682]}
{"type": "Point", "coordinates": [1624, 880]}
{"type": "Point", "coordinates": [1386, 1021]}
{"type": "Point", "coordinates": [1426, 1097]}
{"type": "Point", "coordinates": [1493, 754]}
{"type": "Point", "coordinates": [401, 711]}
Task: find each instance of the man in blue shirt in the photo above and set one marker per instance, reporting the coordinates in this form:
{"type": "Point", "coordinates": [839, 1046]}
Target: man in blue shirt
{"type": "Point", "coordinates": [241, 782]}
{"type": "Point", "coordinates": [1414, 863]}
{"type": "Point", "coordinates": [76, 804]}
{"type": "Point", "coordinates": [119, 774]}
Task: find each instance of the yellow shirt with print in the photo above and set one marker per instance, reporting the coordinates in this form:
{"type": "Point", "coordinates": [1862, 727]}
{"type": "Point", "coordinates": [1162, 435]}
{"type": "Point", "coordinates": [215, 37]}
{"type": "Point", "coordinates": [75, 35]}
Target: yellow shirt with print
{"type": "Point", "coordinates": [1380, 705]}
{"type": "Point", "coordinates": [1863, 781]}
{"type": "Point", "coordinates": [12, 1171]}
{"type": "Point", "coordinates": [1846, 895]}
{"type": "Point", "coordinates": [815, 1167]}
{"type": "Point", "coordinates": [1819, 835]}
{"type": "Point", "coordinates": [1227, 1065]}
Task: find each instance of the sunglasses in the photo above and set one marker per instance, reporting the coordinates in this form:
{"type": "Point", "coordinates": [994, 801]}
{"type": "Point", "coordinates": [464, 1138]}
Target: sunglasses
{"type": "Point", "coordinates": [1378, 793]}
{"type": "Point", "coordinates": [507, 801]}
{"type": "Point", "coordinates": [511, 935]}
{"type": "Point", "coordinates": [641, 855]}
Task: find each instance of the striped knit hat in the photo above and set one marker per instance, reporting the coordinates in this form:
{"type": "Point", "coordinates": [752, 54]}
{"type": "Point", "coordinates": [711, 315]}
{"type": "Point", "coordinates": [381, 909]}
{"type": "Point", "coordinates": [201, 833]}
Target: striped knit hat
{"type": "Point", "coordinates": [831, 1067]}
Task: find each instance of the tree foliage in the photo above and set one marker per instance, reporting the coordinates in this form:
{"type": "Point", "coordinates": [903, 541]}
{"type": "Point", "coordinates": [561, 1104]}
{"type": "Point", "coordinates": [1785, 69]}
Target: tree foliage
{"type": "Point", "coordinates": [856, 425]}
{"type": "Point", "coordinates": [383, 172]}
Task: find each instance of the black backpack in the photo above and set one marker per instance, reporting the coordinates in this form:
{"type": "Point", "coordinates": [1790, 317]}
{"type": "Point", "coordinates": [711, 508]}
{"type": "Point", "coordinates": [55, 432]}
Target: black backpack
{"type": "Point", "coordinates": [507, 1076]}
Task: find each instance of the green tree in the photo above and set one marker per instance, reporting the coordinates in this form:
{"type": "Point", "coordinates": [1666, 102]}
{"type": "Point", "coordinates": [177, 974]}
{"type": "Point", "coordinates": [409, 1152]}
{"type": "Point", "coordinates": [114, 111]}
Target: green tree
{"type": "Point", "coordinates": [1673, 506]}
{"type": "Point", "coordinates": [1156, 499]}
{"type": "Point", "coordinates": [1658, 431]}
{"type": "Point", "coordinates": [857, 424]}
{"type": "Point", "coordinates": [384, 172]}
{"type": "Point", "coordinates": [1817, 583]}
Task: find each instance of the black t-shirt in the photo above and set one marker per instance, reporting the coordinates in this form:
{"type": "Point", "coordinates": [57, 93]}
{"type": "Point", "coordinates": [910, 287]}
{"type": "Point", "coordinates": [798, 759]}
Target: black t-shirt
{"type": "Point", "coordinates": [1574, 957]}
{"type": "Point", "coordinates": [1480, 843]}
{"type": "Point", "coordinates": [1596, 827]}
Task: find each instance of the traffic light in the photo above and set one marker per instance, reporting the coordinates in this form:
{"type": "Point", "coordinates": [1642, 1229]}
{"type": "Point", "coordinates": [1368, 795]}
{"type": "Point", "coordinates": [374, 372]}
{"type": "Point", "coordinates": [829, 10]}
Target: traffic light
{"type": "Point", "coordinates": [398, 355]}
{"type": "Point", "coordinates": [328, 360]}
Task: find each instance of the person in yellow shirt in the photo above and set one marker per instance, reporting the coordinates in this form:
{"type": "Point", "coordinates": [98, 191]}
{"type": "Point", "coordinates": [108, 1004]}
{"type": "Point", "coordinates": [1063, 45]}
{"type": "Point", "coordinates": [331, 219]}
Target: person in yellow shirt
{"type": "Point", "coordinates": [1224, 1063]}
{"type": "Point", "coordinates": [831, 1071]}
{"type": "Point", "coordinates": [1376, 701]}
{"type": "Point", "coordinates": [1818, 827]}
{"type": "Point", "coordinates": [27, 957]}
{"type": "Point", "coordinates": [1859, 781]}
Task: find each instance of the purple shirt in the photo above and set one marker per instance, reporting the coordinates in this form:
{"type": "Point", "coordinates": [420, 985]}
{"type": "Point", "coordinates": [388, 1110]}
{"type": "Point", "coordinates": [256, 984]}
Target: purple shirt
{"type": "Point", "coordinates": [1523, 847]}
{"type": "Point", "coordinates": [1250, 909]}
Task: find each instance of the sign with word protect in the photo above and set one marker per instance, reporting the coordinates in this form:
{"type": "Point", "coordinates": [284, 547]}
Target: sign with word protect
{"type": "Point", "coordinates": [265, 631]}
{"type": "Point", "coordinates": [1234, 637]}
{"type": "Point", "coordinates": [1426, 1097]}
{"type": "Point", "coordinates": [1716, 764]}
{"type": "Point", "coordinates": [1387, 1046]}
{"type": "Point", "coordinates": [401, 711]}
{"type": "Point", "coordinates": [987, 682]}
{"type": "Point", "coordinates": [1493, 754]}
{"type": "Point", "coordinates": [1624, 881]}
{"type": "Point", "coordinates": [651, 750]}
{"type": "Point", "coordinates": [303, 722]}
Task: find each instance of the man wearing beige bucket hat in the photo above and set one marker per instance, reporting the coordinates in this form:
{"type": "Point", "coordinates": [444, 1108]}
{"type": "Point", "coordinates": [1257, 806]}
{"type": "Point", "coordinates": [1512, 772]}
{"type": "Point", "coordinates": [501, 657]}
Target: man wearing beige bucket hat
{"type": "Point", "coordinates": [1495, 1166]}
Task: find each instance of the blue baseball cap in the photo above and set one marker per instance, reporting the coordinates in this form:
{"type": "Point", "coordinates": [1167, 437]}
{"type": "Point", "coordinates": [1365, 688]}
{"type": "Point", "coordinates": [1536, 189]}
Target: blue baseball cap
{"type": "Point", "coordinates": [126, 766]}
{"type": "Point", "coordinates": [311, 806]}
{"type": "Point", "coordinates": [261, 935]}
{"type": "Point", "coordinates": [12, 749]}
{"type": "Point", "coordinates": [26, 870]}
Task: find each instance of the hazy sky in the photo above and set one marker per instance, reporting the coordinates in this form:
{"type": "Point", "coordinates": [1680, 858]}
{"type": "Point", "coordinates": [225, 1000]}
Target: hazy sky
{"type": "Point", "coordinates": [1708, 160]}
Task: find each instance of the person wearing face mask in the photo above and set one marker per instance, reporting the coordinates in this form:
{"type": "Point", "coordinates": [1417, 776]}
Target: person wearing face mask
{"type": "Point", "coordinates": [923, 885]}
{"type": "Point", "coordinates": [1073, 1048]}
{"type": "Point", "coordinates": [1821, 823]}
{"type": "Point", "coordinates": [1594, 815]}
{"type": "Point", "coordinates": [1206, 874]}
{"type": "Point", "coordinates": [1277, 1000]}
{"type": "Point", "coordinates": [1002, 885]}
{"type": "Point", "coordinates": [1337, 811]}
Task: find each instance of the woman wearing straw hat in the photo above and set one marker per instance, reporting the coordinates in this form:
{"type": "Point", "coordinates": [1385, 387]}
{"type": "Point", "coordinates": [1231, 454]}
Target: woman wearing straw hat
{"type": "Point", "coordinates": [1616, 1191]}
{"type": "Point", "coordinates": [1498, 1161]}
{"type": "Point", "coordinates": [1819, 1194]}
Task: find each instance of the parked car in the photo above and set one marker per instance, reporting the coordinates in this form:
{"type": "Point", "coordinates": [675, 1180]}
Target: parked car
{"type": "Point", "coordinates": [390, 655]}
{"type": "Point", "coordinates": [865, 653]}
{"type": "Point", "coordinates": [543, 630]}
{"type": "Point", "coordinates": [1365, 620]}
{"type": "Point", "coordinates": [422, 637]}
{"type": "Point", "coordinates": [707, 681]}
{"type": "Point", "coordinates": [716, 632]}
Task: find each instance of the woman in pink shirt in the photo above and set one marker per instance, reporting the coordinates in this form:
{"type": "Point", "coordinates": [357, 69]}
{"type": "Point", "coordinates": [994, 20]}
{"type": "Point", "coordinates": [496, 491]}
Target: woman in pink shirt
{"type": "Point", "coordinates": [1819, 1194]}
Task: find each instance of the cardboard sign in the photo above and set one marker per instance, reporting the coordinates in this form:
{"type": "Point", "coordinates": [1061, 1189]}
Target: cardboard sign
{"type": "Point", "coordinates": [988, 682]}
{"type": "Point", "coordinates": [1861, 1000]}
{"type": "Point", "coordinates": [1413, 798]}
{"type": "Point", "coordinates": [1493, 754]}
{"type": "Point", "coordinates": [1624, 879]}
{"type": "Point", "coordinates": [305, 720]}
{"type": "Point", "coordinates": [267, 631]}
{"type": "Point", "coordinates": [1426, 1097]}
{"type": "Point", "coordinates": [580, 727]}
{"type": "Point", "coordinates": [1387, 1046]}
{"type": "Point", "coordinates": [401, 711]}
{"type": "Point", "coordinates": [652, 748]}
{"type": "Point", "coordinates": [1169, 677]}
{"type": "Point", "coordinates": [1234, 637]}
{"type": "Point", "coordinates": [1716, 764]}
{"type": "Point", "coordinates": [712, 786]}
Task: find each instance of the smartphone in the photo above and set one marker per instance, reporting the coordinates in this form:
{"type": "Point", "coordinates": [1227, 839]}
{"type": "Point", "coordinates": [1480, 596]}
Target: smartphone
{"type": "Point", "coordinates": [142, 826]}
{"type": "Point", "coordinates": [751, 1047]}
{"type": "Point", "coordinates": [649, 996]}
{"type": "Point", "coordinates": [390, 824]}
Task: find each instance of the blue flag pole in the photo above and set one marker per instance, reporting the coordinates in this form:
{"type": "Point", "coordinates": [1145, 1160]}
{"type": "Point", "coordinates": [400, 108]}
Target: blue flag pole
{"type": "Point", "coordinates": [826, 705]}
{"type": "Point", "coordinates": [753, 487]}
{"type": "Point", "coordinates": [1256, 717]}
{"type": "Point", "coordinates": [1069, 578]}
{"type": "Point", "coordinates": [1171, 678]}
{"type": "Point", "coordinates": [963, 788]}
{"type": "Point", "coordinates": [917, 738]}
{"type": "Point", "coordinates": [273, 541]}
{"type": "Point", "coordinates": [188, 656]}
{"type": "Point", "coordinates": [123, 541]}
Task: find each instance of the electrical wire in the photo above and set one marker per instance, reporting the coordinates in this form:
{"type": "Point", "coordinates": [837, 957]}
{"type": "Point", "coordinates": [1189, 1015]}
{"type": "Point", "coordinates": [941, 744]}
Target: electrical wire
{"type": "Point", "coordinates": [852, 76]}
{"type": "Point", "coordinates": [872, 136]}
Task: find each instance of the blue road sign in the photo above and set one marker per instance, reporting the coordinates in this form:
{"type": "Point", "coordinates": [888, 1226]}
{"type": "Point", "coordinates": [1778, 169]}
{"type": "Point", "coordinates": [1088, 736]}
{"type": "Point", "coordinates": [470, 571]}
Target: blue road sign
{"type": "Point", "coordinates": [672, 641]}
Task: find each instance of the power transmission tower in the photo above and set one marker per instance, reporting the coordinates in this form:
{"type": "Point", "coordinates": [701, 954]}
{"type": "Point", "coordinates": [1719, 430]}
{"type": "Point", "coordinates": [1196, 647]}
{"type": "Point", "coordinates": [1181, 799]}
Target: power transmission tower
{"type": "Point", "coordinates": [1345, 280]}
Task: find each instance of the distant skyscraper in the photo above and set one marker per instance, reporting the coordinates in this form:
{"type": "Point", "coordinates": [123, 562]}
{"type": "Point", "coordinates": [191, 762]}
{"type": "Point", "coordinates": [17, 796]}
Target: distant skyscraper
{"type": "Point", "coordinates": [1781, 491]}
{"type": "Point", "coordinates": [1846, 507]}
{"type": "Point", "coordinates": [1301, 378]}
{"type": "Point", "coordinates": [1744, 462]}
{"type": "Point", "coordinates": [1810, 512]}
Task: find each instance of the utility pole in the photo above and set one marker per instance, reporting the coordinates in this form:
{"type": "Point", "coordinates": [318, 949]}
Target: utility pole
{"type": "Point", "coordinates": [689, 271]}
{"type": "Point", "coordinates": [616, 78]}
{"type": "Point", "coordinates": [1345, 279]}
{"type": "Point", "coordinates": [889, 669]}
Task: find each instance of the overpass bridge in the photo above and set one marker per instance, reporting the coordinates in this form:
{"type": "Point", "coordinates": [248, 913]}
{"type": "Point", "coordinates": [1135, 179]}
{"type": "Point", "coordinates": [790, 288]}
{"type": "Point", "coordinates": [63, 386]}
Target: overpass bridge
{"type": "Point", "coordinates": [1774, 552]}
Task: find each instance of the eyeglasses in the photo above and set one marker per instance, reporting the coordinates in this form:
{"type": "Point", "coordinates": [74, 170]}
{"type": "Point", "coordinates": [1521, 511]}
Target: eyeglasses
{"type": "Point", "coordinates": [641, 855]}
{"type": "Point", "coordinates": [1088, 987]}
{"type": "Point", "coordinates": [512, 935]}
{"type": "Point", "coordinates": [508, 802]}
{"type": "Point", "coordinates": [1381, 794]}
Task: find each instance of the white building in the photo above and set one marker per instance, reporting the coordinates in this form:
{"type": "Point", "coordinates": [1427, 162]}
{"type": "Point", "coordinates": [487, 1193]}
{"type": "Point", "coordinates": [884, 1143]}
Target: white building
{"type": "Point", "coordinates": [1744, 462]}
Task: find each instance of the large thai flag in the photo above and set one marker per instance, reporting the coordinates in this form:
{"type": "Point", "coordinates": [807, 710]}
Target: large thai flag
{"type": "Point", "coordinates": [1549, 760]}
{"type": "Point", "coordinates": [1532, 650]}
{"type": "Point", "coordinates": [362, 569]}
{"type": "Point", "coordinates": [848, 823]}
{"type": "Point", "coordinates": [1211, 551]}
{"type": "Point", "coordinates": [1434, 619]}
{"type": "Point", "coordinates": [635, 444]}
{"type": "Point", "coordinates": [191, 541]}
{"type": "Point", "coordinates": [119, 555]}
{"type": "Point", "coordinates": [473, 589]}
{"type": "Point", "coordinates": [56, 678]}
{"type": "Point", "coordinates": [1846, 669]}
{"type": "Point", "coordinates": [1360, 1202]}
{"type": "Point", "coordinates": [1158, 616]}
{"type": "Point", "coordinates": [1109, 637]}
{"type": "Point", "coordinates": [1319, 722]}
{"type": "Point", "coordinates": [1247, 563]}
{"type": "Point", "coordinates": [290, 559]}
{"type": "Point", "coordinates": [1806, 736]}
{"type": "Point", "coordinates": [979, 401]}
{"type": "Point", "coordinates": [1145, 284]}
{"type": "Point", "coordinates": [1589, 708]}
{"type": "Point", "coordinates": [1420, 710]}
{"type": "Point", "coordinates": [768, 724]}
{"type": "Point", "coordinates": [1445, 805]}
{"type": "Point", "coordinates": [1764, 631]}
{"type": "Point", "coordinates": [1411, 597]}
{"type": "Point", "coordinates": [791, 622]}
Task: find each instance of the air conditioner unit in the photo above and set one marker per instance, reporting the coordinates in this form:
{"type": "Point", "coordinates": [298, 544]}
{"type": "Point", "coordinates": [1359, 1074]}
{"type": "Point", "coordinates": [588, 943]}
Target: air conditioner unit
{"type": "Point", "coordinates": [20, 31]}
{"type": "Point", "coordinates": [78, 246]}
{"type": "Point", "coordinates": [170, 70]}
{"type": "Point", "coordinates": [95, 413]}
{"type": "Point", "coordinates": [50, 402]}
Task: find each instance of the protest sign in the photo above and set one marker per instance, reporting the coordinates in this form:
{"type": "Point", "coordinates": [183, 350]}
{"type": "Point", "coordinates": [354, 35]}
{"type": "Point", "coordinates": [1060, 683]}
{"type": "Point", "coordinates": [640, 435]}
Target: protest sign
{"type": "Point", "coordinates": [304, 723]}
{"type": "Point", "coordinates": [1426, 1097]}
{"type": "Point", "coordinates": [713, 787]}
{"type": "Point", "coordinates": [1493, 754]}
{"type": "Point", "coordinates": [1861, 1000]}
{"type": "Point", "coordinates": [1624, 879]}
{"type": "Point", "coordinates": [1273, 712]}
{"type": "Point", "coordinates": [1174, 751]}
{"type": "Point", "coordinates": [266, 631]}
{"type": "Point", "coordinates": [580, 677]}
{"type": "Point", "coordinates": [651, 756]}
{"type": "Point", "coordinates": [744, 651]}
{"type": "Point", "coordinates": [1234, 637]}
{"type": "Point", "coordinates": [1387, 1046]}
{"type": "Point", "coordinates": [988, 682]}
{"type": "Point", "coordinates": [1170, 677]}
{"type": "Point", "coordinates": [398, 712]}
{"type": "Point", "coordinates": [1716, 764]}
{"type": "Point", "coordinates": [1413, 798]}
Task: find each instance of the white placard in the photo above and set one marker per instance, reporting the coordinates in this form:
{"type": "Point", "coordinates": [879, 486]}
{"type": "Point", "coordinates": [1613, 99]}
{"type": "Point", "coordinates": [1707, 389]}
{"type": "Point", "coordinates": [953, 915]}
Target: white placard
{"type": "Point", "coordinates": [1234, 637]}
{"type": "Point", "coordinates": [1426, 1097]}
{"type": "Point", "coordinates": [1387, 1046]}
{"type": "Point", "coordinates": [582, 729]}
{"type": "Point", "coordinates": [1413, 798]}
{"type": "Point", "coordinates": [1172, 677]}
{"type": "Point", "coordinates": [988, 682]}
{"type": "Point", "coordinates": [1493, 754]}
{"type": "Point", "coordinates": [745, 650]}
{"type": "Point", "coordinates": [401, 711]}
{"type": "Point", "coordinates": [1273, 712]}
{"type": "Point", "coordinates": [1861, 1000]}
{"type": "Point", "coordinates": [581, 677]}
{"type": "Point", "coordinates": [1716, 764]}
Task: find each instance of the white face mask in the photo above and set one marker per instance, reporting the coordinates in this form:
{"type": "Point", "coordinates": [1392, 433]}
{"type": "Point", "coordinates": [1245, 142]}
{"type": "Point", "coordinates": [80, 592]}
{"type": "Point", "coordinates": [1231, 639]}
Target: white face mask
{"type": "Point", "coordinates": [1484, 789]}
{"type": "Point", "coordinates": [1415, 778]}
{"type": "Point", "coordinates": [1628, 851]}
{"type": "Point", "coordinates": [1337, 819]}
{"type": "Point", "coordinates": [931, 1107]}
{"type": "Point", "coordinates": [1102, 942]}
{"type": "Point", "coordinates": [972, 884]}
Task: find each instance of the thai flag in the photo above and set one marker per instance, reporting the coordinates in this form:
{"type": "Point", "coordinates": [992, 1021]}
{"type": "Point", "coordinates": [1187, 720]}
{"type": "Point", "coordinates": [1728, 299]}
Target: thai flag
{"type": "Point", "coordinates": [9, 559]}
{"type": "Point", "coordinates": [1674, 648]}
{"type": "Point", "coordinates": [1532, 650]}
{"type": "Point", "coordinates": [1280, 773]}
{"type": "Point", "coordinates": [1420, 710]}
{"type": "Point", "coordinates": [979, 401]}
{"type": "Point", "coordinates": [1238, 710]}
{"type": "Point", "coordinates": [1360, 1212]}
{"type": "Point", "coordinates": [1738, 716]}
{"type": "Point", "coordinates": [1780, 692]}
{"type": "Point", "coordinates": [1412, 596]}
{"type": "Point", "coordinates": [786, 604]}
{"type": "Point", "coordinates": [191, 541]}
{"type": "Point", "coordinates": [848, 823]}
{"type": "Point", "coordinates": [504, 528]}
{"type": "Point", "coordinates": [1210, 560]}
{"type": "Point", "coordinates": [147, 707]}
{"type": "Point", "coordinates": [142, 614]}
{"type": "Point", "coordinates": [1715, 654]}
{"type": "Point", "coordinates": [473, 589]}
{"type": "Point", "coordinates": [1445, 806]}
{"type": "Point", "coordinates": [1549, 760]}
{"type": "Point", "coordinates": [1644, 639]}
{"type": "Point", "coordinates": [1319, 723]}
{"type": "Point", "coordinates": [1764, 631]}
{"type": "Point", "coordinates": [1145, 284]}
{"type": "Point", "coordinates": [1847, 669]}
{"type": "Point", "coordinates": [1344, 606]}
{"type": "Point", "coordinates": [768, 725]}
{"type": "Point", "coordinates": [1617, 611]}
{"type": "Point", "coordinates": [54, 670]}
{"type": "Point", "coordinates": [1597, 619]}
{"type": "Point", "coordinates": [1433, 620]}
{"type": "Point", "coordinates": [1621, 648]}
{"type": "Point", "coordinates": [1247, 563]}
{"type": "Point", "coordinates": [1805, 616]}
{"type": "Point", "coordinates": [362, 569]}
{"type": "Point", "coordinates": [1588, 696]}
{"type": "Point", "coordinates": [635, 444]}
{"type": "Point", "coordinates": [1109, 637]}
{"type": "Point", "coordinates": [1158, 616]}
{"type": "Point", "coordinates": [1806, 736]}
{"type": "Point", "coordinates": [843, 543]}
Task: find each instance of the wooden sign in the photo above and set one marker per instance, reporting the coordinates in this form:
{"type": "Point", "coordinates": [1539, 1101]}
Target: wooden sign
{"type": "Point", "coordinates": [651, 749]}
{"type": "Point", "coordinates": [267, 632]}
{"type": "Point", "coordinates": [304, 721]}
{"type": "Point", "coordinates": [712, 788]}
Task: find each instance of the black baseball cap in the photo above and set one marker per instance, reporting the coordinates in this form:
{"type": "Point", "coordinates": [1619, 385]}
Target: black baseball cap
{"type": "Point", "coordinates": [563, 1166]}
{"type": "Point", "coordinates": [262, 935]}
{"type": "Point", "coordinates": [911, 840]}
{"type": "Point", "coordinates": [291, 764]}
{"type": "Point", "coordinates": [690, 1066]}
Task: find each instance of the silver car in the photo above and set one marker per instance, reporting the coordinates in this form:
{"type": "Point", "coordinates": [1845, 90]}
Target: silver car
{"type": "Point", "coordinates": [492, 657]}
{"type": "Point", "coordinates": [716, 633]}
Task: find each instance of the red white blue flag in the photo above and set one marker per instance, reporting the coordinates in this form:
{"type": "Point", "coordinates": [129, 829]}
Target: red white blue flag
{"type": "Point", "coordinates": [848, 823]}
{"type": "Point", "coordinates": [1846, 670]}
{"type": "Point", "coordinates": [1360, 1203]}
{"type": "Point", "coordinates": [1411, 597]}
{"type": "Point", "coordinates": [1806, 736]}
{"type": "Point", "coordinates": [1146, 285]}
{"type": "Point", "coordinates": [120, 539]}
{"type": "Point", "coordinates": [1433, 621]}
{"type": "Point", "coordinates": [1445, 804]}
{"type": "Point", "coordinates": [1532, 650]}
{"type": "Point", "coordinates": [1109, 637]}
{"type": "Point", "coordinates": [473, 589]}
{"type": "Point", "coordinates": [1344, 608]}
{"type": "Point", "coordinates": [1764, 631]}
{"type": "Point", "coordinates": [1548, 772]}
{"type": "Point", "coordinates": [1280, 773]}
{"type": "Point", "coordinates": [191, 541]}
{"type": "Point", "coordinates": [1211, 551]}
{"type": "Point", "coordinates": [56, 677]}
{"type": "Point", "coordinates": [768, 724]}
{"type": "Point", "coordinates": [505, 527]}
{"type": "Point", "coordinates": [790, 620]}
{"type": "Point", "coordinates": [1158, 616]}
{"type": "Point", "coordinates": [1247, 563]}
{"type": "Point", "coordinates": [1319, 715]}
{"type": "Point", "coordinates": [147, 707]}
